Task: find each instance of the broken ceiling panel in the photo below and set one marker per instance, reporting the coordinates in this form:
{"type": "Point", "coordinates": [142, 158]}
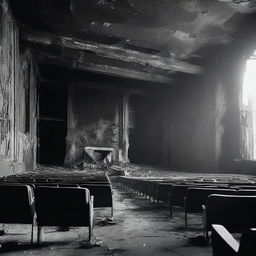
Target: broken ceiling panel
{"type": "Point", "coordinates": [176, 30]}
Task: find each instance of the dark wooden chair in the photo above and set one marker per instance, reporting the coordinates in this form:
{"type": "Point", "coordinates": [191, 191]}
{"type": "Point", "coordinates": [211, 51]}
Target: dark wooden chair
{"type": "Point", "coordinates": [235, 212]}
{"type": "Point", "coordinates": [103, 195]}
{"type": "Point", "coordinates": [223, 243]}
{"type": "Point", "coordinates": [247, 192]}
{"type": "Point", "coordinates": [178, 193]}
{"type": "Point", "coordinates": [17, 205]}
{"type": "Point", "coordinates": [64, 207]}
{"type": "Point", "coordinates": [197, 196]}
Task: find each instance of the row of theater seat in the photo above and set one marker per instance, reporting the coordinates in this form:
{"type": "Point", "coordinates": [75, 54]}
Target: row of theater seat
{"type": "Point", "coordinates": [54, 199]}
{"type": "Point", "coordinates": [230, 204]}
{"type": "Point", "coordinates": [46, 206]}
{"type": "Point", "coordinates": [99, 185]}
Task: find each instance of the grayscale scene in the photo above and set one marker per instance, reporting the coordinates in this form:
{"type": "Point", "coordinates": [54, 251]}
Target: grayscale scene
{"type": "Point", "coordinates": [128, 127]}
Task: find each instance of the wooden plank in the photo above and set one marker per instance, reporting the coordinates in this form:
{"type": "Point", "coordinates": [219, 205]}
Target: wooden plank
{"type": "Point", "coordinates": [110, 51]}
{"type": "Point", "coordinates": [82, 64]}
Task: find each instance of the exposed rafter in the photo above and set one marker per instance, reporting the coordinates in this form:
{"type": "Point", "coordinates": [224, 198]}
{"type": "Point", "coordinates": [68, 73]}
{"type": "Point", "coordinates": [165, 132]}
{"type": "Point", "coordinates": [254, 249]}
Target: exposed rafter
{"type": "Point", "coordinates": [83, 64]}
{"type": "Point", "coordinates": [110, 51]}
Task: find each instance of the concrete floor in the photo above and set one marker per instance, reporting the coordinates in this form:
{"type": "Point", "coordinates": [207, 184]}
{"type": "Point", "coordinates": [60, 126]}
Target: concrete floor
{"type": "Point", "coordinates": [141, 230]}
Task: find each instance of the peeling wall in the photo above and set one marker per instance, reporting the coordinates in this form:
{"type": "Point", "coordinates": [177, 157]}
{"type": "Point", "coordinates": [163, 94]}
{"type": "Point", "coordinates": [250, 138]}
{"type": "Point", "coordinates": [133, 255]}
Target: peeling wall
{"type": "Point", "coordinates": [95, 122]}
{"type": "Point", "coordinates": [7, 50]}
{"type": "Point", "coordinates": [17, 72]}
{"type": "Point", "coordinates": [26, 100]}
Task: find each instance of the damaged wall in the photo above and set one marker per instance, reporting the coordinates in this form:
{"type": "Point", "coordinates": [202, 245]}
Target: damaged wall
{"type": "Point", "coordinates": [202, 124]}
{"type": "Point", "coordinates": [25, 112]}
{"type": "Point", "coordinates": [94, 121]}
{"type": "Point", "coordinates": [17, 74]}
{"type": "Point", "coordinates": [7, 51]}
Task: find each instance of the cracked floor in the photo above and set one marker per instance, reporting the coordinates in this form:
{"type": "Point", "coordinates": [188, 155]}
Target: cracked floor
{"type": "Point", "coordinates": [141, 229]}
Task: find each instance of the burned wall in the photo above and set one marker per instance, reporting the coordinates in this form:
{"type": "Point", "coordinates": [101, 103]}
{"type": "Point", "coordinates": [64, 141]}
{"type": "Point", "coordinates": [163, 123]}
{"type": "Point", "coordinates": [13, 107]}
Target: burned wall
{"type": "Point", "coordinates": [25, 111]}
{"type": "Point", "coordinates": [94, 122]}
{"type": "Point", "coordinates": [7, 77]}
{"type": "Point", "coordinates": [17, 99]}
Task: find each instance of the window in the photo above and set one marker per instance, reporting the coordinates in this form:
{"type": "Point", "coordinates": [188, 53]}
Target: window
{"type": "Point", "coordinates": [248, 111]}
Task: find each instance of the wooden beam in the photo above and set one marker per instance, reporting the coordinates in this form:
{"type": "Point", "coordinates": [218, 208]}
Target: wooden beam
{"type": "Point", "coordinates": [83, 64]}
{"type": "Point", "coordinates": [110, 51]}
{"type": "Point", "coordinates": [97, 86]}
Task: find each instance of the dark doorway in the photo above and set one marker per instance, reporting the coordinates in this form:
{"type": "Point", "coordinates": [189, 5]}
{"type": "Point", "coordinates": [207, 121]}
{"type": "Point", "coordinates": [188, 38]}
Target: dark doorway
{"type": "Point", "coordinates": [144, 130]}
{"type": "Point", "coordinates": [52, 124]}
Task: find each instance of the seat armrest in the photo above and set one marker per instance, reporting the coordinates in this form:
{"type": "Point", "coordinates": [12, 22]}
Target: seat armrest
{"type": "Point", "coordinates": [222, 238]}
{"type": "Point", "coordinates": [204, 215]}
{"type": "Point", "coordinates": [91, 210]}
{"type": "Point", "coordinates": [91, 202]}
{"type": "Point", "coordinates": [31, 197]}
{"type": "Point", "coordinates": [204, 220]}
{"type": "Point", "coordinates": [91, 218]}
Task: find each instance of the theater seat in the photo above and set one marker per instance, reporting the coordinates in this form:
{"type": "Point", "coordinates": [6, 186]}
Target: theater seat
{"type": "Point", "coordinates": [17, 205]}
{"type": "Point", "coordinates": [197, 196]}
{"type": "Point", "coordinates": [235, 212]}
{"type": "Point", "coordinates": [102, 194]}
{"type": "Point", "coordinates": [223, 243]}
{"type": "Point", "coordinates": [64, 207]}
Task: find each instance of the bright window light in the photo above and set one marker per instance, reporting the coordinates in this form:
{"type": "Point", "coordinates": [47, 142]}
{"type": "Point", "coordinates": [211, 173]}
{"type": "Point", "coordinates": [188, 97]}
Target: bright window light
{"type": "Point", "coordinates": [248, 114]}
{"type": "Point", "coordinates": [249, 85]}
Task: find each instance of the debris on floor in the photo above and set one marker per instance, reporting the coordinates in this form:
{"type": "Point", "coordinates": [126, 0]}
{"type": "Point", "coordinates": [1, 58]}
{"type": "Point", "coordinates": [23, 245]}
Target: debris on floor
{"type": "Point", "coordinates": [107, 221]}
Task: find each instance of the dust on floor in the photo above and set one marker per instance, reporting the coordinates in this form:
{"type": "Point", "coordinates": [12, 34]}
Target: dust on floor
{"type": "Point", "coordinates": [141, 229]}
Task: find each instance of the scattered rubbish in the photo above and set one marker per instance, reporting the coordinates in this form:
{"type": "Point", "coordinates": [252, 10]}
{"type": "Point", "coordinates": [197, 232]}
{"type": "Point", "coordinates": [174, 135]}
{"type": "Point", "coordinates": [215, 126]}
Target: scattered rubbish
{"type": "Point", "coordinates": [108, 221]}
{"type": "Point", "coordinates": [95, 242]}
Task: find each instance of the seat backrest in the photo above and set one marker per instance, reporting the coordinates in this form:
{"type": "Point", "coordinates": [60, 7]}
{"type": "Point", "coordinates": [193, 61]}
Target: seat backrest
{"type": "Point", "coordinates": [152, 188]}
{"type": "Point", "coordinates": [65, 185]}
{"type": "Point", "coordinates": [197, 196]}
{"type": "Point", "coordinates": [163, 191]}
{"type": "Point", "coordinates": [247, 192]}
{"type": "Point", "coordinates": [17, 204]}
{"type": "Point", "coordinates": [247, 187]}
{"type": "Point", "coordinates": [62, 206]}
{"type": "Point", "coordinates": [177, 194]}
{"type": "Point", "coordinates": [102, 194]}
{"type": "Point", "coordinates": [179, 191]}
{"type": "Point", "coordinates": [235, 212]}
{"type": "Point", "coordinates": [247, 243]}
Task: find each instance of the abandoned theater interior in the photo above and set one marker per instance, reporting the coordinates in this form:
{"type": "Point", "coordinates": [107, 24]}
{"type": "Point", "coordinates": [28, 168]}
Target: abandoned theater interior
{"type": "Point", "coordinates": [128, 127]}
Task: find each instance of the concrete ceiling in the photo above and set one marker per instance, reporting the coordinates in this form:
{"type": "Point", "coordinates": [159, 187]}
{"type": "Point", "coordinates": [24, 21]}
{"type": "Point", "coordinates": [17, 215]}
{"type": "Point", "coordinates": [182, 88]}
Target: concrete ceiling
{"type": "Point", "coordinates": [177, 30]}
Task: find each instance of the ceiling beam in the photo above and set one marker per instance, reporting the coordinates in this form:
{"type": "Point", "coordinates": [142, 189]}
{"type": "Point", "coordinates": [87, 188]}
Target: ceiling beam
{"type": "Point", "coordinates": [109, 51]}
{"type": "Point", "coordinates": [85, 65]}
